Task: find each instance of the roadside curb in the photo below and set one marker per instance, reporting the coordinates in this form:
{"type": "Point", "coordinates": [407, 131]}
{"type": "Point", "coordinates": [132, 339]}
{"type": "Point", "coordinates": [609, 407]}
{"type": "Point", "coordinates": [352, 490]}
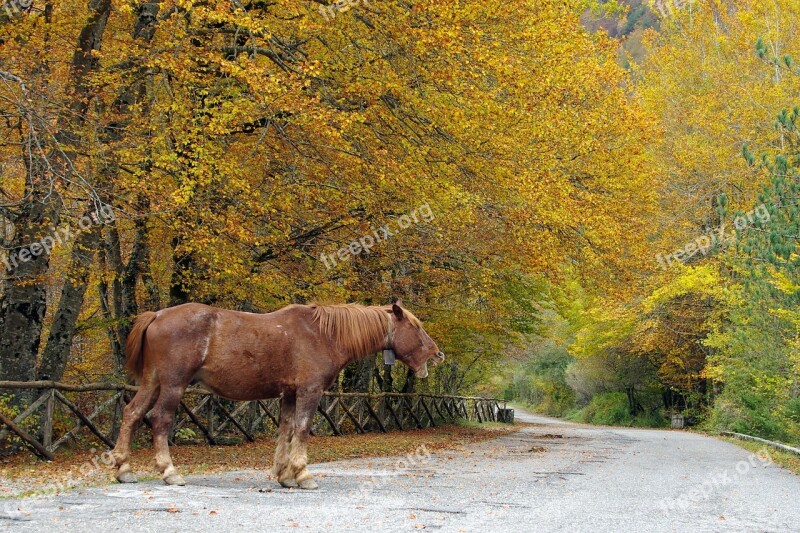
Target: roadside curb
{"type": "Point", "coordinates": [777, 445]}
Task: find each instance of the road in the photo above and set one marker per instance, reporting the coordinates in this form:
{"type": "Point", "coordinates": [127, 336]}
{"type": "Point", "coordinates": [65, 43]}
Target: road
{"type": "Point", "coordinates": [550, 476]}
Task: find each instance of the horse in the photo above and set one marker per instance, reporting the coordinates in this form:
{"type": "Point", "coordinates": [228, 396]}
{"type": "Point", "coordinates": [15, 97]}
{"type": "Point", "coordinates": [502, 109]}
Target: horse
{"type": "Point", "coordinates": [293, 354]}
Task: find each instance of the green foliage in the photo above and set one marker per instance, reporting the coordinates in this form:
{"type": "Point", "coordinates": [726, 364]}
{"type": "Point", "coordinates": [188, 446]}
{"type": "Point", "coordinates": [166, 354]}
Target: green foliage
{"type": "Point", "coordinates": [755, 361]}
{"type": "Point", "coordinates": [11, 408]}
{"type": "Point", "coordinates": [541, 383]}
{"type": "Point", "coordinates": [510, 393]}
{"type": "Point", "coordinates": [634, 16]}
{"type": "Point", "coordinates": [749, 413]}
{"type": "Point", "coordinates": [540, 380]}
{"type": "Point", "coordinates": [187, 434]}
{"type": "Point", "coordinates": [613, 409]}
{"type": "Point", "coordinates": [608, 408]}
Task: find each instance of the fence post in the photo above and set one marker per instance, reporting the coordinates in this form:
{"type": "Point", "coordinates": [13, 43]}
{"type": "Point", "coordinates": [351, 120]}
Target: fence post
{"type": "Point", "coordinates": [210, 421]}
{"type": "Point", "coordinates": [47, 424]}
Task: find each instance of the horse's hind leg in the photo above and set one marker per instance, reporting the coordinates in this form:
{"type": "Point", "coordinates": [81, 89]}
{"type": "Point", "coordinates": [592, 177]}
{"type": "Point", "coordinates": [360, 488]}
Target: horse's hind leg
{"type": "Point", "coordinates": [298, 447]}
{"type": "Point", "coordinates": [280, 467]}
{"type": "Point", "coordinates": [163, 414]}
{"type": "Point", "coordinates": [132, 415]}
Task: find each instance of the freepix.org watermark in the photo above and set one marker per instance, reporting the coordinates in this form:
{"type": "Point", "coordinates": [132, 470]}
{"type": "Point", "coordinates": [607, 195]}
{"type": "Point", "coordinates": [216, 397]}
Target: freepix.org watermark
{"type": "Point", "coordinates": [364, 244]}
{"type": "Point", "coordinates": [667, 8]}
{"type": "Point", "coordinates": [13, 509]}
{"type": "Point", "coordinates": [104, 215]}
{"type": "Point", "coordinates": [15, 7]}
{"type": "Point", "coordinates": [339, 6]}
{"type": "Point", "coordinates": [716, 238]}
{"type": "Point", "coordinates": [718, 481]}
{"type": "Point", "coordinates": [420, 457]}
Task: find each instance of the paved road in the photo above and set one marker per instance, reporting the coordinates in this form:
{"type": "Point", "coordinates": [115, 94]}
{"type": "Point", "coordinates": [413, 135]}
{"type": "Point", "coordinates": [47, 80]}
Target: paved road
{"type": "Point", "coordinates": [550, 476]}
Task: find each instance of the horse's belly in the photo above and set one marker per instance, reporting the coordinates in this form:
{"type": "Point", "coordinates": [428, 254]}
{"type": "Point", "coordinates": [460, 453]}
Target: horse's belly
{"type": "Point", "coordinates": [242, 380]}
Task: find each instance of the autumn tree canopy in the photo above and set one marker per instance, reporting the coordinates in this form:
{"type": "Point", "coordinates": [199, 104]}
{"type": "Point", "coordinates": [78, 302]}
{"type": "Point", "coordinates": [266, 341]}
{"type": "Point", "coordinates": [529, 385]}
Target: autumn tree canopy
{"type": "Point", "coordinates": [238, 144]}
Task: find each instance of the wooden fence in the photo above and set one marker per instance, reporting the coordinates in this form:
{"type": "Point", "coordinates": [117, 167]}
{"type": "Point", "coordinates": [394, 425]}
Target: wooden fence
{"type": "Point", "coordinates": [61, 413]}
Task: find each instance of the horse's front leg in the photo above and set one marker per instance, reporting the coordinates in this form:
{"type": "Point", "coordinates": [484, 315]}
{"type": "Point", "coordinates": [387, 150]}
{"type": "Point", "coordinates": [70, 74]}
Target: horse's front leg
{"type": "Point", "coordinates": [280, 467]}
{"type": "Point", "coordinates": [306, 406]}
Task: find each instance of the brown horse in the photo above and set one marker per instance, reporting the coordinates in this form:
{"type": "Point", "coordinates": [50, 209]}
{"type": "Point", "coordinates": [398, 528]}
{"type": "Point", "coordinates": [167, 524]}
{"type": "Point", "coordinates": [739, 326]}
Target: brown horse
{"type": "Point", "coordinates": [294, 353]}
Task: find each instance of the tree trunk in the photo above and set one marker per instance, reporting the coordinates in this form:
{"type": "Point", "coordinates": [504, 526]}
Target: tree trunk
{"type": "Point", "coordinates": [411, 382]}
{"type": "Point", "coordinates": [388, 380]}
{"type": "Point", "coordinates": [183, 267]}
{"type": "Point", "coordinates": [357, 376]}
{"type": "Point", "coordinates": [634, 407]}
{"type": "Point", "coordinates": [117, 350]}
{"type": "Point", "coordinates": [62, 330]}
{"type": "Point", "coordinates": [23, 303]}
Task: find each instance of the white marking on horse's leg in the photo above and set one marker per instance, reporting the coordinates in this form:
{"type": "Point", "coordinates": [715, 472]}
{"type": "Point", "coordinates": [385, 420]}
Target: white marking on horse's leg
{"type": "Point", "coordinates": [298, 459]}
{"type": "Point", "coordinates": [121, 454]}
{"type": "Point", "coordinates": [281, 468]}
{"type": "Point", "coordinates": [169, 473]}
{"type": "Point", "coordinates": [281, 456]}
{"type": "Point", "coordinates": [163, 458]}
{"type": "Point", "coordinates": [295, 455]}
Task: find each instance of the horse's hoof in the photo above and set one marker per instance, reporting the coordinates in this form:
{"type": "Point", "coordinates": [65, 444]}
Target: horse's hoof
{"type": "Point", "coordinates": [308, 484]}
{"type": "Point", "coordinates": [288, 483]}
{"type": "Point", "coordinates": [127, 477]}
{"type": "Point", "coordinates": [175, 479]}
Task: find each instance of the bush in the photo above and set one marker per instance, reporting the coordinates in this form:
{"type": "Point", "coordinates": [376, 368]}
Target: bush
{"type": "Point", "coordinates": [611, 409]}
{"type": "Point", "coordinates": [608, 408]}
{"type": "Point", "coordinates": [510, 393]}
{"type": "Point", "coordinates": [752, 414]}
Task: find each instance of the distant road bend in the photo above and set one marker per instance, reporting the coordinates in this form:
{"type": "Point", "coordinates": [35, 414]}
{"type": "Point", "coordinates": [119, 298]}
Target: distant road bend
{"type": "Point", "coordinates": [550, 476]}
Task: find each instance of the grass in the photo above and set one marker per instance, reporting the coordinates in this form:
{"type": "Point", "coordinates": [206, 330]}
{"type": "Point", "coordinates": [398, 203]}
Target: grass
{"type": "Point", "coordinates": [785, 459]}
{"type": "Point", "coordinates": [24, 475]}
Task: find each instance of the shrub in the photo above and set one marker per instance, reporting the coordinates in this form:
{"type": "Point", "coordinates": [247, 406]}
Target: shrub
{"type": "Point", "coordinates": [608, 408]}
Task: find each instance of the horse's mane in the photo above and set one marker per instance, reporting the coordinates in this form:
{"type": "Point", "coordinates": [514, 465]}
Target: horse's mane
{"type": "Point", "coordinates": [356, 328]}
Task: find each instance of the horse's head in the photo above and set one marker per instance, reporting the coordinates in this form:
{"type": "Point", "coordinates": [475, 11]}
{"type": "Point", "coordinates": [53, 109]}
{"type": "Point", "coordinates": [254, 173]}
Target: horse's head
{"type": "Point", "coordinates": [411, 344]}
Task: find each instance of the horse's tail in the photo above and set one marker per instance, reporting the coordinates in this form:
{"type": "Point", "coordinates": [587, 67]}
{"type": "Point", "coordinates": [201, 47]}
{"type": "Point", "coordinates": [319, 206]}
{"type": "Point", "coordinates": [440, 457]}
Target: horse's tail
{"type": "Point", "coordinates": [133, 347]}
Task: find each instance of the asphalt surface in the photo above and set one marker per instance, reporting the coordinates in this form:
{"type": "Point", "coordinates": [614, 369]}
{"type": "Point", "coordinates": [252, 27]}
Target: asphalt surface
{"type": "Point", "coordinates": [550, 476]}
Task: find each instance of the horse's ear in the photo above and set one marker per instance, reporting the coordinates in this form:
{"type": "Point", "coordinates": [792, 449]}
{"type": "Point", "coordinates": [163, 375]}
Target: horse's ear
{"type": "Point", "coordinates": [397, 310]}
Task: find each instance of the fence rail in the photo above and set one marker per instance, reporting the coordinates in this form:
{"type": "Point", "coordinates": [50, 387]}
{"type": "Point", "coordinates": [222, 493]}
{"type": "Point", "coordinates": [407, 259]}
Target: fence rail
{"type": "Point", "coordinates": [61, 413]}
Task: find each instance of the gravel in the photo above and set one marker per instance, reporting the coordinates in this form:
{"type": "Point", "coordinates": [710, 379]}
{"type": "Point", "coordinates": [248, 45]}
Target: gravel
{"type": "Point", "coordinates": [550, 476]}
